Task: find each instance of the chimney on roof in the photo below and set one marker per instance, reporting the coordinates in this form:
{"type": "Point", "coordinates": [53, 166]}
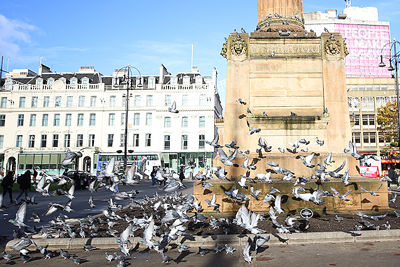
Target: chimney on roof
{"type": "Point", "coordinates": [195, 69]}
{"type": "Point", "coordinates": [89, 69]}
{"type": "Point", "coordinates": [43, 69]}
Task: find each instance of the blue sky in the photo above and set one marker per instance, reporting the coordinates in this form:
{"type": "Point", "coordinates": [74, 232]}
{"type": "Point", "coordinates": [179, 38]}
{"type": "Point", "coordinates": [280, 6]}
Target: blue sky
{"type": "Point", "coordinates": [111, 34]}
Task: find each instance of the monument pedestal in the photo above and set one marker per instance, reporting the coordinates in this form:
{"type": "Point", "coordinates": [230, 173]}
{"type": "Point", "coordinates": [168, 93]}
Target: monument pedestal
{"type": "Point", "coordinates": [359, 200]}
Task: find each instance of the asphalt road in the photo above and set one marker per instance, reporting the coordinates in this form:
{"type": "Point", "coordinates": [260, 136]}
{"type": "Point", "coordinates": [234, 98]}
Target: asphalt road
{"type": "Point", "coordinates": [79, 205]}
{"type": "Point", "coordinates": [347, 254]}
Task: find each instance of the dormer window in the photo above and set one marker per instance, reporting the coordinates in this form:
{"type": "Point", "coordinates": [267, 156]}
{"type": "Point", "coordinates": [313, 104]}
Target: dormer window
{"type": "Point", "coordinates": [8, 84]}
{"type": "Point", "coordinates": [85, 80]}
{"type": "Point", "coordinates": [199, 80]}
{"type": "Point", "coordinates": [74, 81]}
{"type": "Point", "coordinates": [50, 81]}
{"type": "Point", "coordinates": [63, 80]}
{"type": "Point", "coordinates": [174, 80]}
{"type": "Point", "coordinates": [186, 80]}
{"type": "Point", "coordinates": [152, 82]}
{"type": "Point", "coordinates": [39, 81]}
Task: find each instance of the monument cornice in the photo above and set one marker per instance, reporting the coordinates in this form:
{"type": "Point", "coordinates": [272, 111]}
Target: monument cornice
{"type": "Point", "coordinates": [284, 49]}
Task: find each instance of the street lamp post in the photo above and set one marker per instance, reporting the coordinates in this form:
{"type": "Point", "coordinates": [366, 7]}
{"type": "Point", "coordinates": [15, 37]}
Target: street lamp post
{"type": "Point", "coordinates": [394, 58]}
{"type": "Point", "coordinates": [127, 78]}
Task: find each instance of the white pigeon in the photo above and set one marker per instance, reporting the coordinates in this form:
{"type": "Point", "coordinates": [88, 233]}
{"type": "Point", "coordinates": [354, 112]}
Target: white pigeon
{"type": "Point", "coordinates": [148, 234]}
{"type": "Point", "coordinates": [278, 200]}
{"type": "Point", "coordinates": [20, 216]}
{"type": "Point", "coordinates": [109, 171]}
{"type": "Point", "coordinates": [71, 192]}
{"type": "Point", "coordinates": [246, 252]}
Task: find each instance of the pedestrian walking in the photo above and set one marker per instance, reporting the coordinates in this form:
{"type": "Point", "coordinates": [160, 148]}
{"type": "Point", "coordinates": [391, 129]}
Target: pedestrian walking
{"type": "Point", "coordinates": [153, 176]}
{"type": "Point", "coordinates": [35, 173]}
{"type": "Point", "coordinates": [393, 176]}
{"type": "Point", "coordinates": [24, 182]}
{"type": "Point", "coordinates": [7, 185]}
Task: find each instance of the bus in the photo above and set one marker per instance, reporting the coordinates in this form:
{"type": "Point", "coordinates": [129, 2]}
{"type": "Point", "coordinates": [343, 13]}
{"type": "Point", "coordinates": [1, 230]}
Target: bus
{"type": "Point", "coordinates": [152, 160]}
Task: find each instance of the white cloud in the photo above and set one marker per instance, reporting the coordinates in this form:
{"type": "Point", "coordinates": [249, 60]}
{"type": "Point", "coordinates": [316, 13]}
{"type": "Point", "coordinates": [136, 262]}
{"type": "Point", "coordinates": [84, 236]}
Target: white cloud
{"type": "Point", "coordinates": [14, 33]}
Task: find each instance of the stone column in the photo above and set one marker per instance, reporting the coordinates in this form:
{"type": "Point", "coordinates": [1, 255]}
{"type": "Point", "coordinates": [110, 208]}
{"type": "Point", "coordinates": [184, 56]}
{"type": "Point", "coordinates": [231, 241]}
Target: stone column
{"type": "Point", "coordinates": [285, 8]}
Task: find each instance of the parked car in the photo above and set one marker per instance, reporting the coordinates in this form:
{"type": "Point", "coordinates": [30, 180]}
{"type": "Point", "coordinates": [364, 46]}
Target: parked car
{"type": "Point", "coordinates": [81, 178]}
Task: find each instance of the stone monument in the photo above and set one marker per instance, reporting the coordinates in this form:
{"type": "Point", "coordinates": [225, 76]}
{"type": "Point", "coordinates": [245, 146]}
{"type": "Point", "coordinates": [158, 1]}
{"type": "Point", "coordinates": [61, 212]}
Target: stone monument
{"type": "Point", "coordinates": [294, 78]}
{"type": "Point", "coordinates": [293, 83]}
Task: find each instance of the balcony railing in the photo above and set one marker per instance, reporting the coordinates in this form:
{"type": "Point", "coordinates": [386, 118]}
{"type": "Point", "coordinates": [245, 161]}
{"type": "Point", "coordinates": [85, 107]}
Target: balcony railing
{"type": "Point", "coordinates": [34, 87]}
{"type": "Point", "coordinates": [185, 87]}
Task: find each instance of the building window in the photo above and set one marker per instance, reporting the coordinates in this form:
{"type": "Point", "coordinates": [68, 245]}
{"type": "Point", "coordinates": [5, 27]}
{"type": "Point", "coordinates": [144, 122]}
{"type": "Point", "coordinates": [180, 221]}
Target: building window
{"type": "Point", "coordinates": [184, 142]}
{"type": "Point", "coordinates": [202, 141]}
{"type": "Point", "coordinates": [19, 141]}
{"type": "Point", "coordinates": [135, 140]}
{"type": "Point", "coordinates": [357, 120]}
{"type": "Point", "coordinates": [1, 141]}
{"type": "Point", "coordinates": [112, 101]}
{"type": "Point", "coordinates": [202, 100]}
{"type": "Point", "coordinates": [110, 140]}
{"type": "Point", "coordinates": [136, 119]}
{"type": "Point", "coordinates": [149, 101]}
{"type": "Point", "coordinates": [185, 100]}
{"type": "Point", "coordinates": [74, 81]}
{"type": "Point", "coordinates": [81, 102]}
{"type": "Point", "coordinates": [368, 120]}
{"type": "Point", "coordinates": [22, 102]}
{"type": "Point", "coordinates": [167, 100]}
{"type": "Point", "coordinates": [122, 140]}
{"type": "Point", "coordinates": [69, 101]}
{"type": "Point", "coordinates": [57, 102]}
{"type": "Point", "coordinates": [39, 81]}
{"type": "Point", "coordinates": [34, 102]}
{"type": "Point", "coordinates": [122, 119]}
{"type": "Point", "coordinates": [167, 122]}
{"type": "Point", "coordinates": [93, 101]}
{"type": "Point", "coordinates": [356, 138]}
{"type": "Point", "coordinates": [45, 120]}
{"type": "Point", "coordinates": [55, 140]}
{"type": "Point", "coordinates": [185, 122]}
{"type": "Point", "coordinates": [149, 119]}
{"type": "Point", "coordinates": [148, 140]}
{"type": "Point", "coordinates": [46, 101]}
{"type": "Point", "coordinates": [31, 142]}
{"type": "Point", "coordinates": [68, 119]}
{"type": "Point", "coordinates": [32, 121]}
{"type": "Point", "coordinates": [79, 140]}
{"type": "Point", "coordinates": [111, 119]}
{"type": "Point", "coordinates": [3, 102]}
{"type": "Point", "coordinates": [91, 140]}
{"type": "Point", "coordinates": [85, 80]}
{"type": "Point", "coordinates": [50, 81]}
{"type": "Point", "coordinates": [202, 121]}
{"type": "Point", "coordinates": [43, 140]}
{"type": "Point", "coordinates": [80, 119]}
{"type": "Point", "coordinates": [67, 140]}
{"type": "Point", "coordinates": [138, 100]}
{"type": "Point", "coordinates": [167, 142]}
{"type": "Point", "coordinates": [56, 120]}
{"type": "Point", "coordinates": [20, 120]}
{"type": "Point", "coordinates": [369, 138]}
{"type": "Point", "coordinates": [2, 120]}
{"type": "Point", "coordinates": [92, 121]}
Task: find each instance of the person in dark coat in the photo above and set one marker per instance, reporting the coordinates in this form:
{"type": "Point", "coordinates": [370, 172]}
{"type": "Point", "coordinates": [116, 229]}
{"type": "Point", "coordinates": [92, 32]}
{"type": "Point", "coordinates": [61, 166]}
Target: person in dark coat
{"type": "Point", "coordinates": [7, 185]}
{"type": "Point", "coordinates": [24, 184]}
{"type": "Point", "coordinates": [181, 175]}
{"type": "Point", "coordinates": [393, 176]}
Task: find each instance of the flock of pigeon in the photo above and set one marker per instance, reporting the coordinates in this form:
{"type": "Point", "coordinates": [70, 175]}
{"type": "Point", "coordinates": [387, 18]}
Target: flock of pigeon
{"type": "Point", "coordinates": [169, 220]}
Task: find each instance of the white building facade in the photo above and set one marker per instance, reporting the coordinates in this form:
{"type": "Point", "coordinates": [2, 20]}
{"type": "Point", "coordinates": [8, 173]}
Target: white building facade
{"type": "Point", "coordinates": [42, 115]}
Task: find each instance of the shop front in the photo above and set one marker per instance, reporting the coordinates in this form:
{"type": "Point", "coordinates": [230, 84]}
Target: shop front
{"type": "Point", "coordinates": [48, 162]}
{"type": "Point", "coordinates": [174, 161]}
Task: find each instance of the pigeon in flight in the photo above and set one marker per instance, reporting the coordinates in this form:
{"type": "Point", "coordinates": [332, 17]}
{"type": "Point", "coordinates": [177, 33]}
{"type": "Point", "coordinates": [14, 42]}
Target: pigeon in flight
{"type": "Point", "coordinates": [373, 193]}
{"type": "Point", "coordinates": [20, 216]}
{"type": "Point", "coordinates": [342, 197]}
{"type": "Point", "coordinates": [240, 101]}
{"type": "Point", "coordinates": [70, 157]}
{"type": "Point", "coordinates": [172, 108]}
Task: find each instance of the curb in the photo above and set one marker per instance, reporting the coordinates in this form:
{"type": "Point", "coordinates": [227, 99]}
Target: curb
{"type": "Point", "coordinates": [233, 240]}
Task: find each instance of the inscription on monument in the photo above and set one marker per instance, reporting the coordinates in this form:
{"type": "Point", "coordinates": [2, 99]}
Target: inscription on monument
{"type": "Point", "coordinates": [295, 50]}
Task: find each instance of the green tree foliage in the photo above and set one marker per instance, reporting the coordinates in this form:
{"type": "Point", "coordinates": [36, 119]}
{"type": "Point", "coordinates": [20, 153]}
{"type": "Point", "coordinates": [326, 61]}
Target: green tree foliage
{"type": "Point", "coordinates": [388, 122]}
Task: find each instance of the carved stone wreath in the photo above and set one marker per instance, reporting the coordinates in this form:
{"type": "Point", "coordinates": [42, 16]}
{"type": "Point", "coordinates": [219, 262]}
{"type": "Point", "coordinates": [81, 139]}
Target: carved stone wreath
{"type": "Point", "coordinates": [238, 46]}
{"type": "Point", "coordinates": [224, 49]}
{"type": "Point", "coordinates": [332, 47]}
